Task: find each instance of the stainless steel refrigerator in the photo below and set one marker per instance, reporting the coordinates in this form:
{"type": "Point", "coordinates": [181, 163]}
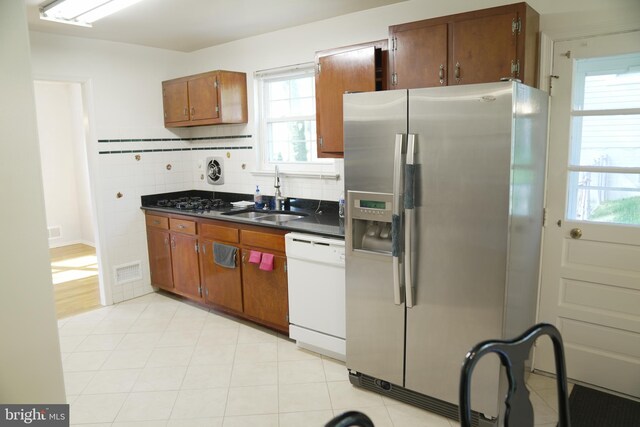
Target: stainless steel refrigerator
{"type": "Point", "coordinates": [444, 192]}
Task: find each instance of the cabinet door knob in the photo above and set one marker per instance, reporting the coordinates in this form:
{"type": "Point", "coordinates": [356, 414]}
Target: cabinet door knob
{"type": "Point", "coordinates": [193, 111]}
{"type": "Point", "coordinates": [456, 72]}
{"type": "Point", "coordinates": [185, 112]}
{"type": "Point", "coordinates": [441, 74]}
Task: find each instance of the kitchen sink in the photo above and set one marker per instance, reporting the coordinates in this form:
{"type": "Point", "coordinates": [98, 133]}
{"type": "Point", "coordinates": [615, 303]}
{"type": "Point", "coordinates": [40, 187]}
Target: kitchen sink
{"type": "Point", "coordinates": [247, 214]}
{"type": "Point", "coordinates": [262, 215]}
{"type": "Point", "coordinates": [281, 217]}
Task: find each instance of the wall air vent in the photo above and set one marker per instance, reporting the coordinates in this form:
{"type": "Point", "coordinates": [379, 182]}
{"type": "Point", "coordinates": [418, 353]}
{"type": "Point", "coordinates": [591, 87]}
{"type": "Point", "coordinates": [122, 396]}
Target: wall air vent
{"type": "Point", "coordinates": [126, 273]}
{"type": "Point", "coordinates": [55, 232]}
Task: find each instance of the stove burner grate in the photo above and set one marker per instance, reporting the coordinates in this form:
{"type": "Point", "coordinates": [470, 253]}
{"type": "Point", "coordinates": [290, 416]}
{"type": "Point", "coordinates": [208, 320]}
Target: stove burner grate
{"type": "Point", "coordinates": [192, 203]}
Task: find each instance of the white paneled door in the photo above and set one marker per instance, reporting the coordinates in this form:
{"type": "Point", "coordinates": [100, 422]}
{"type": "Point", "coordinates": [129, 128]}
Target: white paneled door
{"type": "Point", "coordinates": [590, 284]}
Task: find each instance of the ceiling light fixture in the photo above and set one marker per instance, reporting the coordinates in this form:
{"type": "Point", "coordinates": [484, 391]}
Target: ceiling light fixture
{"type": "Point", "coordinates": [82, 12]}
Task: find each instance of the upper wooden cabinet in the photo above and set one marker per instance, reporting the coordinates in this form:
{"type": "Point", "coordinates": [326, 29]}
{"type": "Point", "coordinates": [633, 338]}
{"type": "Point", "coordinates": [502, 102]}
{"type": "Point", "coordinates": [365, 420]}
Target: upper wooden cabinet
{"type": "Point", "coordinates": [359, 68]}
{"type": "Point", "coordinates": [216, 97]}
{"type": "Point", "coordinates": [419, 55]}
{"type": "Point", "coordinates": [476, 47]}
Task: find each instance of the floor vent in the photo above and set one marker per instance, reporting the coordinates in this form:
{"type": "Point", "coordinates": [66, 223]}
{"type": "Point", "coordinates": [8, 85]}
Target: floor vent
{"type": "Point", "coordinates": [55, 232]}
{"type": "Point", "coordinates": [126, 273]}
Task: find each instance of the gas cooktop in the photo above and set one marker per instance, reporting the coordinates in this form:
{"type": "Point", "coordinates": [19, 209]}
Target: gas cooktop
{"type": "Point", "coordinates": [193, 204]}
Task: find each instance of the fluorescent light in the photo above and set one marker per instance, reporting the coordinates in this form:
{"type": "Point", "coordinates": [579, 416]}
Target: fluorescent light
{"type": "Point", "coordinates": [82, 12]}
{"type": "Point", "coordinates": [70, 9]}
{"type": "Point", "coordinates": [106, 9]}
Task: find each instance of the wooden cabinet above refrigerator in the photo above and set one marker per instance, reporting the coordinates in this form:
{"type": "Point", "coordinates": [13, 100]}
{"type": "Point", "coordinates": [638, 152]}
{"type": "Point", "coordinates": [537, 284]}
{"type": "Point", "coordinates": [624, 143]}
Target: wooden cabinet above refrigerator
{"type": "Point", "coordinates": [358, 68]}
{"type": "Point", "coordinates": [482, 46]}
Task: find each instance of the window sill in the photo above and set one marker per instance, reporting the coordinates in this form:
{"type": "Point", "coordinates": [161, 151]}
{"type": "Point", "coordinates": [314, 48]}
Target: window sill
{"type": "Point", "coordinates": [312, 175]}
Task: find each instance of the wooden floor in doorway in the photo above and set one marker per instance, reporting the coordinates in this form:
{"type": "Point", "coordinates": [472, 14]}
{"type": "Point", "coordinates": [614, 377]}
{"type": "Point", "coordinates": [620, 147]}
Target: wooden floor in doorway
{"type": "Point", "coordinates": [74, 270]}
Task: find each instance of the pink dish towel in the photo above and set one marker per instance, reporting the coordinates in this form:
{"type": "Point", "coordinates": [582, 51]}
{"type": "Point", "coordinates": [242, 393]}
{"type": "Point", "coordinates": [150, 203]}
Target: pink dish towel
{"type": "Point", "coordinates": [267, 262]}
{"type": "Point", "coordinates": [255, 257]}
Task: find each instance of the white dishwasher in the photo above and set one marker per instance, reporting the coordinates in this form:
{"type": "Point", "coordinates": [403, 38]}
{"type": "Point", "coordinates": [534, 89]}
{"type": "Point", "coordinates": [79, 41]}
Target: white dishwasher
{"type": "Point", "coordinates": [316, 277]}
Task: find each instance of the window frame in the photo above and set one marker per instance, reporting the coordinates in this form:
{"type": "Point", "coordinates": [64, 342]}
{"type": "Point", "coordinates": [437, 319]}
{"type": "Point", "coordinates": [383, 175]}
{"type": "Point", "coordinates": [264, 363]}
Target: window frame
{"type": "Point", "coordinates": [319, 165]}
{"type": "Point", "coordinates": [582, 70]}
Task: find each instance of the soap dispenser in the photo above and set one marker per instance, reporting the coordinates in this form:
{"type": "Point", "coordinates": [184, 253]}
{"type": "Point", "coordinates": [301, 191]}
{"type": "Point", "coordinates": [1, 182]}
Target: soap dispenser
{"type": "Point", "coordinates": [257, 198]}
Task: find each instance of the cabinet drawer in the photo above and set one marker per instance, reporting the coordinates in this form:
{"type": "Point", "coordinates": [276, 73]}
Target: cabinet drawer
{"type": "Point", "coordinates": [182, 226]}
{"type": "Point", "coordinates": [262, 240]}
{"type": "Point", "coordinates": [157, 221]}
{"type": "Point", "coordinates": [216, 232]}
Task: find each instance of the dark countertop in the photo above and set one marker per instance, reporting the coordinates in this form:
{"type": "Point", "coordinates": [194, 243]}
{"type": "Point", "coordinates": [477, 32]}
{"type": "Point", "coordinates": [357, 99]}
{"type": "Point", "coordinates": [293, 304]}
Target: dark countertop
{"type": "Point", "coordinates": [322, 216]}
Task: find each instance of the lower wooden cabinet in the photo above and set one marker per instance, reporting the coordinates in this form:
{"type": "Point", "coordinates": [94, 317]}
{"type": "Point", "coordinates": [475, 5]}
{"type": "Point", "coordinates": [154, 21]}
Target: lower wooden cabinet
{"type": "Point", "coordinates": [181, 261]}
{"type": "Point", "coordinates": [266, 292]}
{"type": "Point", "coordinates": [160, 258]}
{"type": "Point", "coordinates": [184, 263]}
{"type": "Point", "coordinates": [222, 286]}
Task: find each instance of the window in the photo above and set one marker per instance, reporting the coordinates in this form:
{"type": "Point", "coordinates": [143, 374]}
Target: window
{"type": "Point", "coordinates": [604, 161]}
{"type": "Point", "coordinates": [286, 101]}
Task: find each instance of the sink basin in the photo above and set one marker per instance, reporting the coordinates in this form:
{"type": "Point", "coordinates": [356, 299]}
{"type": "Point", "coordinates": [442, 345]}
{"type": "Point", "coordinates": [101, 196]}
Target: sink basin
{"type": "Point", "coordinates": [280, 217]}
{"type": "Point", "coordinates": [262, 215]}
{"type": "Point", "coordinates": [247, 214]}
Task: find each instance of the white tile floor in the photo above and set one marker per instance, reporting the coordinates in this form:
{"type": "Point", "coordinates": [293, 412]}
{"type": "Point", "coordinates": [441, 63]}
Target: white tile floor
{"type": "Point", "coordinates": [154, 361]}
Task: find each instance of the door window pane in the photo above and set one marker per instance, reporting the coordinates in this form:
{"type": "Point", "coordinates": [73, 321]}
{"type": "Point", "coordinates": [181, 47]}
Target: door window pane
{"type": "Point", "coordinates": [604, 161]}
{"type": "Point", "coordinates": [606, 140]}
{"type": "Point", "coordinates": [606, 197]}
{"type": "Point", "coordinates": [612, 91]}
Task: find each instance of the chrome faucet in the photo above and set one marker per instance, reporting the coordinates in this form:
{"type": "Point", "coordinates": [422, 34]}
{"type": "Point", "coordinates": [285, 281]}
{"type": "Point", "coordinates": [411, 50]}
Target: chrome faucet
{"type": "Point", "coordinates": [278, 195]}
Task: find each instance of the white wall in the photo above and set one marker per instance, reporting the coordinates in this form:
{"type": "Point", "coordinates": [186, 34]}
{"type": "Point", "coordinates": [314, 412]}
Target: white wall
{"type": "Point", "coordinates": [124, 82]}
{"type": "Point", "coordinates": [64, 162]}
{"type": "Point", "coordinates": [122, 85]}
{"type": "Point", "coordinates": [30, 362]}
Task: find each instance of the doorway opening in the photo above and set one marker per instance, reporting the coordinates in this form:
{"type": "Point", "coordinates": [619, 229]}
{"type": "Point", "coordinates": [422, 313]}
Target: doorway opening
{"type": "Point", "coordinates": [62, 130]}
{"type": "Point", "coordinates": [74, 270]}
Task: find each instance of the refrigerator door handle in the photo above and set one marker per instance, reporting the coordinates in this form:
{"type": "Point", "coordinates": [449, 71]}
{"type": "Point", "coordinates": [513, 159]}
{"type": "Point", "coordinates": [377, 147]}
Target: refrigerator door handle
{"type": "Point", "coordinates": [409, 205]}
{"type": "Point", "coordinates": [395, 219]}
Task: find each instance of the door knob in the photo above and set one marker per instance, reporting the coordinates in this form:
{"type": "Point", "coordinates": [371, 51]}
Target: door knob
{"type": "Point", "coordinates": [575, 233]}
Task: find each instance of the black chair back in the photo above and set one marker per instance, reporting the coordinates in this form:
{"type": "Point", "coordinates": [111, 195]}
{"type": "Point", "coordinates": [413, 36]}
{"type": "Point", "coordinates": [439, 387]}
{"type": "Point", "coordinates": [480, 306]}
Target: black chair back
{"type": "Point", "coordinates": [513, 354]}
{"type": "Point", "coordinates": [349, 419]}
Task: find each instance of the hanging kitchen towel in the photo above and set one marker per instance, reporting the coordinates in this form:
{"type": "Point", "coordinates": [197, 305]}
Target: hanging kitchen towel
{"type": "Point", "coordinates": [255, 257]}
{"type": "Point", "coordinates": [267, 262]}
{"type": "Point", "coordinates": [224, 255]}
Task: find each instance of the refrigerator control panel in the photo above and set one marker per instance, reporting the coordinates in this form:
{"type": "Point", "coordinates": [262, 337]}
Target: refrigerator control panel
{"type": "Point", "coordinates": [371, 206]}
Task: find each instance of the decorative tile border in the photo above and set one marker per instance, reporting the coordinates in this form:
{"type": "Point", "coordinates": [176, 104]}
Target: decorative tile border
{"type": "Point", "coordinates": [155, 150]}
{"type": "Point", "coordinates": [202, 138]}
